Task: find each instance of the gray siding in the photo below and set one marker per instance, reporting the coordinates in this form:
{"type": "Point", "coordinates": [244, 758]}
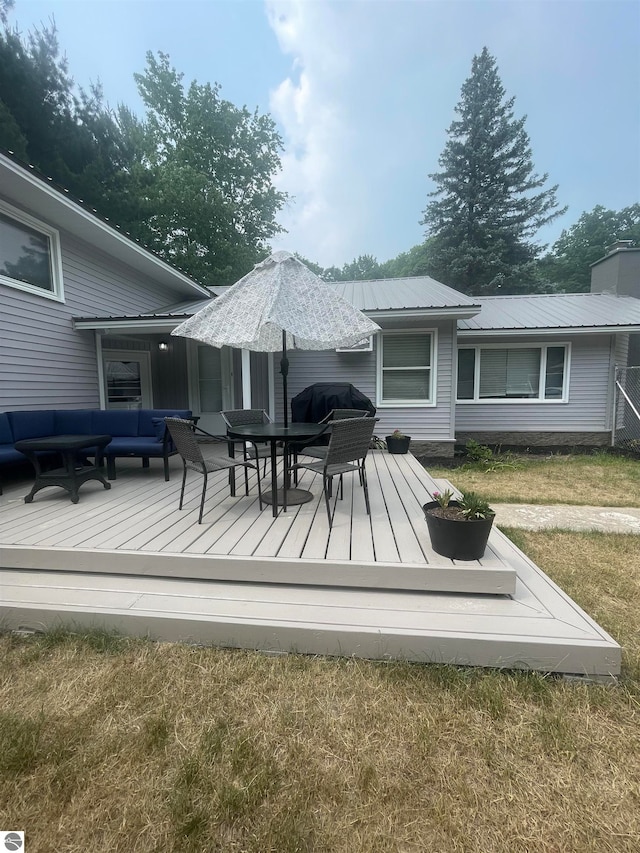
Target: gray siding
{"type": "Point", "coordinates": [259, 381]}
{"type": "Point", "coordinates": [434, 423]}
{"type": "Point", "coordinates": [44, 362]}
{"type": "Point", "coordinates": [169, 375]}
{"type": "Point", "coordinates": [589, 395]}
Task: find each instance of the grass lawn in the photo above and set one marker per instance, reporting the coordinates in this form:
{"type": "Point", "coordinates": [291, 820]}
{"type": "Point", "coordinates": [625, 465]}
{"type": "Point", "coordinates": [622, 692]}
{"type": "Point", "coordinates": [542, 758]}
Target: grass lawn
{"type": "Point", "coordinates": [598, 479]}
{"type": "Point", "coordinates": [109, 744]}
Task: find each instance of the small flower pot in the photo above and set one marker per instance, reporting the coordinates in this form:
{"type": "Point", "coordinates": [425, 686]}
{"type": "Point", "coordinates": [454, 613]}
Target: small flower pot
{"type": "Point", "coordinates": [458, 538]}
{"type": "Point", "coordinates": [396, 444]}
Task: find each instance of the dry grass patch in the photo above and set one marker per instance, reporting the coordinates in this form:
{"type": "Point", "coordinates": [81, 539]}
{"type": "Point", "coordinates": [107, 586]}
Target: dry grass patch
{"type": "Point", "coordinates": [114, 744]}
{"type": "Point", "coordinates": [164, 748]}
{"type": "Point", "coordinates": [600, 479]}
{"type": "Point", "coordinates": [601, 573]}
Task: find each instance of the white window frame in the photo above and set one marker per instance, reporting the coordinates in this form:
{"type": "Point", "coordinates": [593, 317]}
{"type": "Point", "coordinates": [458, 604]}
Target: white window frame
{"type": "Point", "coordinates": [433, 370]}
{"type": "Point", "coordinates": [53, 236]}
{"type": "Point", "coordinates": [510, 401]}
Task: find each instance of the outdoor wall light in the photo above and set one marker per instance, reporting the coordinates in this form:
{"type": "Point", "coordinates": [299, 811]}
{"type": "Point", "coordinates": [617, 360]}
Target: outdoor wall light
{"type": "Point", "coordinates": [163, 346]}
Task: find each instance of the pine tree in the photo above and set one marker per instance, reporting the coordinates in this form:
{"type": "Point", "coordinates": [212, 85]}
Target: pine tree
{"type": "Point", "coordinates": [486, 209]}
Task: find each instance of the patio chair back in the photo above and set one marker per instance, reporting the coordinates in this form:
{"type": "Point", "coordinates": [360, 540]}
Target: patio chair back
{"type": "Point", "coordinates": [349, 441]}
{"type": "Point", "coordinates": [184, 438]}
{"type": "Point", "coordinates": [240, 417]}
{"type": "Point", "coordinates": [347, 451]}
{"type": "Point", "coordinates": [184, 435]}
{"type": "Point", "coordinates": [342, 414]}
{"type": "Point", "coordinates": [318, 446]}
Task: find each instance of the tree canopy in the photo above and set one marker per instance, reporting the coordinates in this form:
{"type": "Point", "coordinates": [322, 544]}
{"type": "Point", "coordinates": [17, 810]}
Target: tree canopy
{"type": "Point", "coordinates": [192, 180]}
{"type": "Point", "coordinates": [488, 203]}
{"type": "Point", "coordinates": [212, 204]}
{"type": "Point", "coordinates": [586, 242]}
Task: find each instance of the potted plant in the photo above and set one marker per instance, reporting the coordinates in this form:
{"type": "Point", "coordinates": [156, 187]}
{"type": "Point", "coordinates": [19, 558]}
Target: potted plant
{"type": "Point", "coordinates": [398, 442]}
{"type": "Point", "coordinates": [459, 529]}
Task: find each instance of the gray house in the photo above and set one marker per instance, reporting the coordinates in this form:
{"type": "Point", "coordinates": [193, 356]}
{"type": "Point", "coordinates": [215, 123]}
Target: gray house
{"type": "Point", "coordinates": [86, 315]}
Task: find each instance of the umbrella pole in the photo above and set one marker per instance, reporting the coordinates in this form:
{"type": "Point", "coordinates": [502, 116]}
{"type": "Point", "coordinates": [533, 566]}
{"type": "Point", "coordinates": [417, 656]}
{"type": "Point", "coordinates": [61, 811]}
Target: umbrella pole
{"type": "Point", "coordinates": [284, 370]}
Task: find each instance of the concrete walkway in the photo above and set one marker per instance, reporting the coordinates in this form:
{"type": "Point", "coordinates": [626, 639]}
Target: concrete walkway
{"type": "Point", "coordinates": [609, 519]}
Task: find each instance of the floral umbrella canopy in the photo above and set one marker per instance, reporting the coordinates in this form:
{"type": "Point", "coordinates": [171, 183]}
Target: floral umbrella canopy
{"type": "Point", "coordinates": [279, 305]}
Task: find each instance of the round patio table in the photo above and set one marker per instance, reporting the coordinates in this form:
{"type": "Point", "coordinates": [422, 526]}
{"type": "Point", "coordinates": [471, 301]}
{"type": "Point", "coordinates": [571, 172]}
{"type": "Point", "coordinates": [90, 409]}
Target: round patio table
{"type": "Point", "coordinates": [274, 434]}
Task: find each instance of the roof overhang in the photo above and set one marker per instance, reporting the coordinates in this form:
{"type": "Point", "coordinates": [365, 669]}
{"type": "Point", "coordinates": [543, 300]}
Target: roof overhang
{"type": "Point", "coordinates": [449, 313]}
{"type": "Point", "coordinates": [148, 325]}
{"type": "Point", "coordinates": [567, 330]}
{"type": "Point", "coordinates": [28, 189]}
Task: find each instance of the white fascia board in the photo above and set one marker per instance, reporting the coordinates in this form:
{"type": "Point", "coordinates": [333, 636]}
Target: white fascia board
{"type": "Point", "coordinates": [113, 325]}
{"type": "Point", "coordinates": [66, 213]}
{"type": "Point", "coordinates": [456, 313]}
{"type": "Point", "coordinates": [564, 330]}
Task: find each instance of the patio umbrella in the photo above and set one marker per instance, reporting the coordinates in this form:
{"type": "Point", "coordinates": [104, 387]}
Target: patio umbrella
{"type": "Point", "coordinates": [280, 305]}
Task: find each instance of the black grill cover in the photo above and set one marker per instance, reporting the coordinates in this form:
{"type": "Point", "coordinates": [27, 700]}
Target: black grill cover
{"type": "Point", "coordinates": [316, 401]}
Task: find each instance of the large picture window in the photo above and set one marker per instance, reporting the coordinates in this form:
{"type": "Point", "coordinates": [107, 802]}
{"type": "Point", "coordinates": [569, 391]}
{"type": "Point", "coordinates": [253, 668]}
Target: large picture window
{"type": "Point", "coordinates": [29, 254]}
{"type": "Point", "coordinates": [405, 368]}
{"type": "Point", "coordinates": [513, 373]}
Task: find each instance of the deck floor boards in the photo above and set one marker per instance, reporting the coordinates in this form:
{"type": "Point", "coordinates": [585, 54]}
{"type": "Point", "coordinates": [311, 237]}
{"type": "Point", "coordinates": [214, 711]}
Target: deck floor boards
{"type": "Point", "coordinates": [371, 586]}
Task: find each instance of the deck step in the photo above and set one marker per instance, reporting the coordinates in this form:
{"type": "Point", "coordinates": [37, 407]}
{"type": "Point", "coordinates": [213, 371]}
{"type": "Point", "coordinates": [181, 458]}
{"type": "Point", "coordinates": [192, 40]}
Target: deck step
{"type": "Point", "coordinates": [494, 576]}
{"type": "Point", "coordinates": [471, 631]}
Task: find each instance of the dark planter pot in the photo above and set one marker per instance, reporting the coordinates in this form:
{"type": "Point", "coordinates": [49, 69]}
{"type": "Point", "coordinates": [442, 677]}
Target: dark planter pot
{"type": "Point", "coordinates": [398, 445]}
{"type": "Point", "coordinates": [458, 540]}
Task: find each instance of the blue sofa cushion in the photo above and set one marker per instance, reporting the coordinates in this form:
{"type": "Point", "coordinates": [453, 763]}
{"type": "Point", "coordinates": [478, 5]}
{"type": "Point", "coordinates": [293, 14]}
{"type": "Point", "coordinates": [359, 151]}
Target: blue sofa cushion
{"type": "Point", "coordinates": [8, 453]}
{"type": "Point", "coordinates": [134, 446]}
{"type": "Point", "coordinates": [74, 422]}
{"type": "Point", "coordinates": [32, 424]}
{"type": "Point", "coordinates": [116, 422]}
{"type": "Point", "coordinates": [159, 427]}
{"type": "Point", "coordinates": [147, 416]}
{"type": "Point", "coordinates": [6, 436]}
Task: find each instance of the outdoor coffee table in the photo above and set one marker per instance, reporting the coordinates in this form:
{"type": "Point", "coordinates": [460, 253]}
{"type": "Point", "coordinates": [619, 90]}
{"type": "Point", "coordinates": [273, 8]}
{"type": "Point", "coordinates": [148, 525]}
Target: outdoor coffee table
{"type": "Point", "coordinates": [74, 472]}
{"type": "Point", "coordinates": [276, 434]}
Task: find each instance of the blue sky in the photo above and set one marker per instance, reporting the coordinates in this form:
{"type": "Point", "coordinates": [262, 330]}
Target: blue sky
{"type": "Point", "coordinates": [364, 90]}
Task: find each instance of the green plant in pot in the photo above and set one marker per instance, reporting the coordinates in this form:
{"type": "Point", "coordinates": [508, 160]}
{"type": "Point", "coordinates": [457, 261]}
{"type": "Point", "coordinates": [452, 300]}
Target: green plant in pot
{"type": "Point", "coordinates": [398, 442]}
{"type": "Point", "coordinates": [459, 529]}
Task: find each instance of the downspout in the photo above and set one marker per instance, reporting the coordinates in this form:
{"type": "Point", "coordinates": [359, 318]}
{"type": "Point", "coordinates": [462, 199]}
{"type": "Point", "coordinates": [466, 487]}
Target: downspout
{"type": "Point", "coordinates": [101, 383]}
{"type": "Point", "coordinates": [453, 412]}
{"type": "Point", "coordinates": [246, 379]}
{"type": "Point", "coordinates": [272, 388]}
{"type": "Point", "coordinates": [611, 389]}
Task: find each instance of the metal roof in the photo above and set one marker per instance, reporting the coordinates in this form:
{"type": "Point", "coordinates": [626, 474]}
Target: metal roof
{"type": "Point", "coordinates": [390, 294]}
{"type": "Point", "coordinates": [586, 311]}
{"type": "Point", "coordinates": [524, 314]}
{"type": "Point", "coordinates": [420, 293]}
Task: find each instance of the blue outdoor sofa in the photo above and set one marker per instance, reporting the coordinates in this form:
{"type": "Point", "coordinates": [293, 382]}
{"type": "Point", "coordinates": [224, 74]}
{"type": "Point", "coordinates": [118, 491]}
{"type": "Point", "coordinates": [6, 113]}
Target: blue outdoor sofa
{"type": "Point", "coordinates": [138, 433]}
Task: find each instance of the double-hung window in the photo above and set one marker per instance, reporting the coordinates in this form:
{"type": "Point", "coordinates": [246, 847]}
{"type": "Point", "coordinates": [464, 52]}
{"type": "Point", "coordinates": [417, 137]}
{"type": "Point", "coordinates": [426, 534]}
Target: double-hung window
{"type": "Point", "coordinates": [513, 373]}
{"type": "Point", "coordinates": [406, 368]}
{"type": "Point", "coordinates": [29, 254]}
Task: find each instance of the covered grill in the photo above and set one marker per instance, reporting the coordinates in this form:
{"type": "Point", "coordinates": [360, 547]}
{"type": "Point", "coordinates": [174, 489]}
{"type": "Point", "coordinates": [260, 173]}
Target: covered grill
{"type": "Point", "coordinates": [316, 401]}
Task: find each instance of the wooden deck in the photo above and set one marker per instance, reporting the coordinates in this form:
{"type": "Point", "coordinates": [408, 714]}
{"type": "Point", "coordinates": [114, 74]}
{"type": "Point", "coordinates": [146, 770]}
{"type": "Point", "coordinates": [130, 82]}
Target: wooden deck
{"type": "Point", "coordinates": [371, 587]}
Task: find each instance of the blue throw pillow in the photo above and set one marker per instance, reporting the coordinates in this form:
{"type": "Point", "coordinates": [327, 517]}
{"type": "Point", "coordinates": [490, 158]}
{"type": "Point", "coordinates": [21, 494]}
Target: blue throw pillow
{"type": "Point", "coordinates": [159, 427]}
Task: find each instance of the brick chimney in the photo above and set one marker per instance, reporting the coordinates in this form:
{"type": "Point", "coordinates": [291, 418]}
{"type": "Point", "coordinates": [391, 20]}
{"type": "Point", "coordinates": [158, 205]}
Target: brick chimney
{"type": "Point", "coordinates": [619, 271]}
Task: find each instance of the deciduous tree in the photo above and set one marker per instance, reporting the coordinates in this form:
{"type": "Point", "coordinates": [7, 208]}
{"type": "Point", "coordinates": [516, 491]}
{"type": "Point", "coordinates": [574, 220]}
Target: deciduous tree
{"type": "Point", "coordinates": [212, 202]}
{"type": "Point", "coordinates": [586, 242]}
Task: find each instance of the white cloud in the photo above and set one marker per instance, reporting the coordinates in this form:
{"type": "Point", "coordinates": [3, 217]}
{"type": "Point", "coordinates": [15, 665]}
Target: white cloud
{"type": "Point", "coordinates": [372, 89]}
{"type": "Point", "coordinates": [311, 107]}
{"type": "Point", "coordinates": [356, 115]}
